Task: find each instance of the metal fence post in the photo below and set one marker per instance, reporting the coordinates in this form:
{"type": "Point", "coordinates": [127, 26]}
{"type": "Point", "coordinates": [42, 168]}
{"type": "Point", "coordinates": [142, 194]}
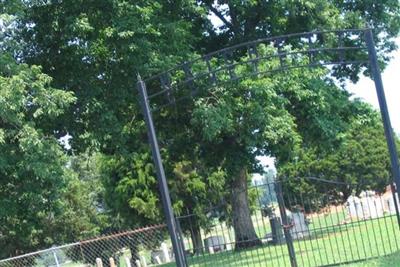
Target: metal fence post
{"type": "Point", "coordinates": [162, 181]}
{"type": "Point", "coordinates": [376, 74]}
{"type": "Point", "coordinates": [286, 224]}
{"type": "Point", "coordinates": [55, 258]}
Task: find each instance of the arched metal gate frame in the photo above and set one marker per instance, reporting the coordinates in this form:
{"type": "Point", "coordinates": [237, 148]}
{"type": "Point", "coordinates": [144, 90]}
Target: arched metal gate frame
{"type": "Point", "coordinates": [337, 48]}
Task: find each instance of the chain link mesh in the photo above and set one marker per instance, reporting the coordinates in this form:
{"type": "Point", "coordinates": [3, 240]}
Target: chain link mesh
{"type": "Point", "coordinates": [140, 247]}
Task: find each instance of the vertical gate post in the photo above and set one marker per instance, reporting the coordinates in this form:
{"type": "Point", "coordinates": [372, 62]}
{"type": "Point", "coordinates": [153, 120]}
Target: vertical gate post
{"type": "Point", "coordinates": [376, 74]}
{"type": "Point", "coordinates": [285, 224]}
{"type": "Point", "coordinates": [162, 181]}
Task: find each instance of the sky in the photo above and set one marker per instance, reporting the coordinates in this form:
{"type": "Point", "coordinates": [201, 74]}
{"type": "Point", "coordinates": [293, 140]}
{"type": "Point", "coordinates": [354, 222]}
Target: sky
{"type": "Point", "coordinates": [365, 89]}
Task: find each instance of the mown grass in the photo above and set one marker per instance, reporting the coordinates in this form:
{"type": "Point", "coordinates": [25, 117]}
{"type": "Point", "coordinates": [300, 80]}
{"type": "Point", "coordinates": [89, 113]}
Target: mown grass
{"type": "Point", "coordinates": [331, 242]}
{"type": "Point", "coordinates": [387, 261]}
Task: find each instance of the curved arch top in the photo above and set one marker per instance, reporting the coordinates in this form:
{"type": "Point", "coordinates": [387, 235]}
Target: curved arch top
{"type": "Point", "coordinates": [309, 49]}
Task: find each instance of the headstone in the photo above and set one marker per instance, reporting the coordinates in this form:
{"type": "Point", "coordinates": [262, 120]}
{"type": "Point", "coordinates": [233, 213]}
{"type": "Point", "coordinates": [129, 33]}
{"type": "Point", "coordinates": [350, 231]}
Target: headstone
{"type": "Point", "coordinates": [158, 261]}
{"type": "Point", "coordinates": [158, 254]}
{"type": "Point", "coordinates": [277, 236]}
{"type": "Point", "coordinates": [138, 263]}
{"type": "Point", "coordinates": [164, 249]}
{"type": "Point", "coordinates": [143, 261]}
{"type": "Point", "coordinates": [371, 205]}
{"type": "Point", "coordinates": [128, 262]}
{"type": "Point", "coordinates": [99, 262]}
{"type": "Point", "coordinates": [163, 254]}
{"type": "Point", "coordinates": [300, 226]}
{"type": "Point", "coordinates": [389, 203]}
{"type": "Point", "coordinates": [354, 208]}
{"type": "Point", "coordinates": [377, 209]}
{"type": "Point", "coordinates": [216, 242]}
{"type": "Point", "coordinates": [112, 262]}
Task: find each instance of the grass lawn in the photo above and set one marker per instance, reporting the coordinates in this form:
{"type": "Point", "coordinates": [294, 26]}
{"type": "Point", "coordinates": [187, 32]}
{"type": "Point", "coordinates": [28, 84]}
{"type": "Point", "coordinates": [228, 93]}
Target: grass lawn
{"type": "Point", "coordinates": [330, 243]}
{"type": "Point", "coordinates": [388, 261]}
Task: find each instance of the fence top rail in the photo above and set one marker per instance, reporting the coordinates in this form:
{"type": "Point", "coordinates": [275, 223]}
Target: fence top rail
{"type": "Point", "coordinates": [79, 243]}
{"type": "Point", "coordinates": [39, 252]}
{"type": "Point", "coordinates": [135, 231]}
{"type": "Point", "coordinates": [254, 42]}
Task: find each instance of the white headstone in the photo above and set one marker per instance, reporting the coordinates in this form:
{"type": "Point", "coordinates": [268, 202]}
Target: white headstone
{"type": "Point", "coordinates": [99, 262]}
{"type": "Point", "coordinates": [377, 208]}
{"type": "Point", "coordinates": [366, 203]}
{"type": "Point", "coordinates": [158, 254]}
{"type": "Point", "coordinates": [216, 242]}
{"type": "Point", "coordinates": [138, 263]}
{"type": "Point", "coordinates": [165, 251]}
{"type": "Point", "coordinates": [112, 262]}
{"type": "Point", "coordinates": [128, 262]}
{"type": "Point", "coordinates": [354, 208]}
{"type": "Point", "coordinates": [389, 200]}
{"type": "Point", "coordinates": [143, 261]}
{"type": "Point", "coordinates": [370, 205]}
{"type": "Point", "coordinates": [158, 261]}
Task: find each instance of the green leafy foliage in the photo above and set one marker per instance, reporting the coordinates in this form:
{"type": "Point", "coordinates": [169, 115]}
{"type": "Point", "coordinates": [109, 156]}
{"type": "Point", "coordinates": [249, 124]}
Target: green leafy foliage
{"type": "Point", "coordinates": [32, 163]}
{"type": "Point", "coordinates": [360, 161]}
{"type": "Point", "coordinates": [244, 20]}
{"type": "Point", "coordinates": [93, 51]}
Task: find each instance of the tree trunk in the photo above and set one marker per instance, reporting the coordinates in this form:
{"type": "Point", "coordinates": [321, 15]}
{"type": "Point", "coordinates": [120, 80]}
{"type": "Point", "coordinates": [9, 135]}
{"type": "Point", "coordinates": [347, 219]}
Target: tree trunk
{"type": "Point", "coordinates": [245, 235]}
{"type": "Point", "coordinates": [197, 242]}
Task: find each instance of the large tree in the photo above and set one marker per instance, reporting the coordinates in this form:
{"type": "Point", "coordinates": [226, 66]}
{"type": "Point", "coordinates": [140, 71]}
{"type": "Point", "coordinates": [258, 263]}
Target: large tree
{"type": "Point", "coordinates": [268, 116]}
{"type": "Point", "coordinates": [94, 48]}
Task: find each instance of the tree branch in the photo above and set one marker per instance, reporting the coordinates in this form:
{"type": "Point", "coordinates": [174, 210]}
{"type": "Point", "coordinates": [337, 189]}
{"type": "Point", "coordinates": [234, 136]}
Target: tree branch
{"type": "Point", "coordinates": [220, 16]}
{"type": "Point", "coordinates": [235, 24]}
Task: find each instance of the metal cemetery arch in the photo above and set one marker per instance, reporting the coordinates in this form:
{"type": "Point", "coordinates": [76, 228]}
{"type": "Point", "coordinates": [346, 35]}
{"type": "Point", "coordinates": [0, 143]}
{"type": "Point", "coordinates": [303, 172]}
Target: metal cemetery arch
{"type": "Point", "coordinates": [338, 48]}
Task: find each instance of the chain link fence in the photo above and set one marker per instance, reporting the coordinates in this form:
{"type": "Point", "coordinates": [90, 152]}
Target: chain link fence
{"type": "Point", "coordinates": [291, 229]}
{"type": "Point", "coordinates": [149, 246]}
